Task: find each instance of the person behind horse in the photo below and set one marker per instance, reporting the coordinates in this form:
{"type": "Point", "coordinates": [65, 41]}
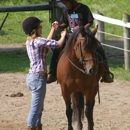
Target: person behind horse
{"type": "Point", "coordinates": [77, 14]}
{"type": "Point", "coordinates": [37, 47]}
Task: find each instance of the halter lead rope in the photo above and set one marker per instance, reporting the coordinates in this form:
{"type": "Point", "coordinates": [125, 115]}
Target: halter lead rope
{"type": "Point", "coordinates": [76, 66]}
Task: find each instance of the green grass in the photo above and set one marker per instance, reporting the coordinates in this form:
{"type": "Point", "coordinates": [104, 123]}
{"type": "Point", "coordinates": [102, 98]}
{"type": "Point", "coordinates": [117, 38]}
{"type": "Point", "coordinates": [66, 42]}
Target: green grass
{"type": "Point", "coordinates": [14, 61]}
{"type": "Point", "coordinates": [109, 8]}
{"type": "Point", "coordinates": [12, 30]}
{"type": "Point", "coordinates": [17, 61]}
{"type": "Point", "coordinates": [117, 68]}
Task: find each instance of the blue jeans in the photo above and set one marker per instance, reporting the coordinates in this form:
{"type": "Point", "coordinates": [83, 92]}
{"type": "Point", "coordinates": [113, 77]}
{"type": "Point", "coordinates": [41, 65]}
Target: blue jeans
{"type": "Point", "coordinates": [37, 85]}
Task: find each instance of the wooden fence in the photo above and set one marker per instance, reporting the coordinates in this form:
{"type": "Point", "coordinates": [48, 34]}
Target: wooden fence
{"type": "Point", "coordinates": [125, 23]}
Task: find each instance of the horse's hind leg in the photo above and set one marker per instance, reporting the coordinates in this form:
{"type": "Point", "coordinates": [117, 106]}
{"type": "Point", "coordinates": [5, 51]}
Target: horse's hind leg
{"type": "Point", "coordinates": [89, 113]}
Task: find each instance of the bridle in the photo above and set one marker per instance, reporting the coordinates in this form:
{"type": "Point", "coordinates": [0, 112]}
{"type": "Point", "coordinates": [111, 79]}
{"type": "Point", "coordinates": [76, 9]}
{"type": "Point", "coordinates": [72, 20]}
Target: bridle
{"type": "Point", "coordinates": [82, 59]}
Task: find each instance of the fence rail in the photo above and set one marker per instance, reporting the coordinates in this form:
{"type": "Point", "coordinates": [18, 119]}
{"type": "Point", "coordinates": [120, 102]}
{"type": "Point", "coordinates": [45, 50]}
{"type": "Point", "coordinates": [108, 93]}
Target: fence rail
{"type": "Point", "coordinates": [111, 20]}
{"type": "Point", "coordinates": [125, 23]}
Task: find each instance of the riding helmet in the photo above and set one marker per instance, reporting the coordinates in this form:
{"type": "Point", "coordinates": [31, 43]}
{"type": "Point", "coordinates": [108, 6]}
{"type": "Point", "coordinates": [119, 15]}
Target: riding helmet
{"type": "Point", "coordinates": [30, 23]}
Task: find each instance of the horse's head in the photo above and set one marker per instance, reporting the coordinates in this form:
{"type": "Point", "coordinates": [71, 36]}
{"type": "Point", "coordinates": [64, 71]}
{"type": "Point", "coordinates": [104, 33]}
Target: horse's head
{"type": "Point", "coordinates": [84, 47]}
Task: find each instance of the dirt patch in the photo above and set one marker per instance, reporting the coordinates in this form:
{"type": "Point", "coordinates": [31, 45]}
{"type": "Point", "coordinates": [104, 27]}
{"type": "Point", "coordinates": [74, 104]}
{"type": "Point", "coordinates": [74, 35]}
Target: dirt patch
{"type": "Point", "coordinates": [113, 113]}
{"type": "Point", "coordinates": [12, 47]}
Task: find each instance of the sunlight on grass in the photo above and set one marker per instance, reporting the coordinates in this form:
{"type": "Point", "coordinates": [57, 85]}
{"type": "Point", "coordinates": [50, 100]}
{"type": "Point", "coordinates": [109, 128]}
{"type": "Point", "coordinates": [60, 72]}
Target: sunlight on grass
{"type": "Point", "coordinates": [12, 32]}
{"type": "Point", "coordinates": [120, 73]}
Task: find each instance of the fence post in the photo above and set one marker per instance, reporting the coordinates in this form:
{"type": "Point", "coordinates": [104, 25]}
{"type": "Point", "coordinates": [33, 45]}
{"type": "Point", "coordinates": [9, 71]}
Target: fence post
{"type": "Point", "coordinates": [100, 35]}
{"type": "Point", "coordinates": [126, 18]}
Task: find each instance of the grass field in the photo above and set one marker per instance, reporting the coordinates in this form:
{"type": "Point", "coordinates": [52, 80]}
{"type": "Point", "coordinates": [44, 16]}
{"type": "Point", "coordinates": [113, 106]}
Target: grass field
{"type": "Point", "coordinates": [16, 61]}
{"type": "Point", "coordinates": [12, 31]}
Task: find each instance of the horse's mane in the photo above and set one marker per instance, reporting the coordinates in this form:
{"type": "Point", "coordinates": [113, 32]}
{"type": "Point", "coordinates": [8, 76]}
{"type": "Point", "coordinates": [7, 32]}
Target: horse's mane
{"type": "Point", "coordinates": [88, 38]}
{"type": "Point", "coordinates": [72, 39]}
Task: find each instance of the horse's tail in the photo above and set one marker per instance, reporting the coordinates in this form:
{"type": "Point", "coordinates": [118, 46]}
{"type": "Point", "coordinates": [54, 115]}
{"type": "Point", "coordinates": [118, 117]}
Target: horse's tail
{"type": "Point", "coordinates": [77, 105]}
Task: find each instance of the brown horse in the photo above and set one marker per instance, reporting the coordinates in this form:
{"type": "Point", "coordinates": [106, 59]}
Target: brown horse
{"type": "Point", "coordinates": [78, 74]}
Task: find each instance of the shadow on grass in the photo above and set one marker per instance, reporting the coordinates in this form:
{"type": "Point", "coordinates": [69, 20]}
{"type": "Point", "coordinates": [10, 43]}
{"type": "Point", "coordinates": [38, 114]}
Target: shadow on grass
{"type": "Point", "coordinates": [3, 32]}
{"type": "Point", "coordinates": [17, 61]}
{"type": "Point", "coordinates": [116, 63]}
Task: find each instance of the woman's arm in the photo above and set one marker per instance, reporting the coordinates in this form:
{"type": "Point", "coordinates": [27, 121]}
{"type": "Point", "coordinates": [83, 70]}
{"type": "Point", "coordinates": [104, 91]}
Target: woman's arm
{"type": "Point", "coordinates": [61, 40]}
{"type": "Point", "coordinates": [50, 36]}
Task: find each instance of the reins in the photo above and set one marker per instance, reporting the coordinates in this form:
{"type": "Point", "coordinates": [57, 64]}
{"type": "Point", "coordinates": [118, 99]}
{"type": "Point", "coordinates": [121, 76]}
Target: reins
{"type": "Point", "coordinates": [75, 65]}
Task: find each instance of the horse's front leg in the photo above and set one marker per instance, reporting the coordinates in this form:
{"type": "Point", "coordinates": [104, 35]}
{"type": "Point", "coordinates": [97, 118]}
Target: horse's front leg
{"type": "Point", "coordinates": [79, 125]}
{"type": "Point", "coordinates": [78, 108]}
{"type": "Point", "coordinates": [69, 113]}
{"type": "Point", "coordinates": [89, 113]}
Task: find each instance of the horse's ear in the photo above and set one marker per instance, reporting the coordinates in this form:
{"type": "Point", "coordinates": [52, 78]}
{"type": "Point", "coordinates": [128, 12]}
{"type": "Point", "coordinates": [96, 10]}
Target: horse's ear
{"type": "Point", "coordinates": [95, 30]}
{"type": "Point", "coordinates": [83, 33]}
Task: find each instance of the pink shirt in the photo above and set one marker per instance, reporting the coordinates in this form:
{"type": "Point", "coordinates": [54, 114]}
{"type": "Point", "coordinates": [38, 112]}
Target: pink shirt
{"type": "Point", "coordinates": [36, 50]}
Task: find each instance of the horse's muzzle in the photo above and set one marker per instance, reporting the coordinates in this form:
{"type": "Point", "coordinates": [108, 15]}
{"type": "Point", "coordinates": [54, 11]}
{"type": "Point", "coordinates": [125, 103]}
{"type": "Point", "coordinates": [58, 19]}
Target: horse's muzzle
{"type": "Point", "coordinates": [90, 71]}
